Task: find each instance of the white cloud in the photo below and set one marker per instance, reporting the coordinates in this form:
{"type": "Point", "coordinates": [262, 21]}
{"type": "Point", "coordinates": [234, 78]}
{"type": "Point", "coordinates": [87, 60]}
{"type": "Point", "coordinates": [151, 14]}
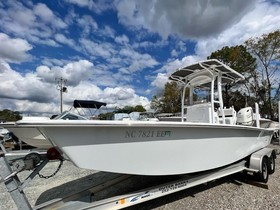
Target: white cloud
{"type": "Point", "coordinates": [87, 24]}
{"type": "Point", "coordinates": [51, 62]}
{"type": "Point", "coordinates": [160, 80]}
{"type": "Point", "coordinates": [97, 49]}
{"type": "Point", "coordinates": [186, 18]}
{"type": "Point", "coordinates": [31, 92]}
{"type": "Point", "coordinates": [36, 23]}
{"type": "Point", "coordinates": [48, 42]}
{"type": "Point", "coordinates": [124, 59]}
{"type": "Point", "coordinates": [74, 72]}
{"type": "Point", "coordinates": [84, 91]}
{"type": "Point", "coordinates": [264, 18]}
{"type": "Point", "coordinates": [64, 40]}
{"type": "Point", "coordinates": [150, 44]}
{"type": "Point", "coordinates": [122, 96]}
{"type": "Point", "coordinates": [26, 87]}
{"type": "Point", "coordinates": [122, 39]}
{"type": "Point", "coordinates": [14, 50]}
{"type": "Point", "coordinates": [33, 108]}
{"type": "Point", "coordinates": [164, 73]}
{"type": "Point", "coordinates": [81, 3]}
{"type": "Point", "coordinates": [43, 12]}
{"type": "Point", "coordinates": [174, 53]}
{"type": "Point", "coordinates": [96, 6]}
{"type": "Point", "coordinates": [136, 61]}
{"type": "Point", "coordinates": [114, 97]}
{"type": "Point", "coordinates": [107, 31]}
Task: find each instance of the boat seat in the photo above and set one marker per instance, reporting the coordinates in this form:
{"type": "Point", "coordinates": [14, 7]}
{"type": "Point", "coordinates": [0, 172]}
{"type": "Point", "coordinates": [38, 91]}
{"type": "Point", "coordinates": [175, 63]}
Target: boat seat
{"type": "Point", "coordinates": [230, 116]}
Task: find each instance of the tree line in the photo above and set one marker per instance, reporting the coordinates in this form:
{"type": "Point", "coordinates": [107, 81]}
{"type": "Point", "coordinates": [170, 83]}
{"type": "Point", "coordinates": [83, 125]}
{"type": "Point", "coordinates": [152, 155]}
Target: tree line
{"type": "Point", "coordinates": [258, 60]}
{"type": "Point", "coordinates": [8, 115]}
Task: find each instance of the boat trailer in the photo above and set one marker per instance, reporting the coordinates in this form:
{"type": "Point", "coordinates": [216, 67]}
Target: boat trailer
{"type": "Point", "coordinates": [260, 164]}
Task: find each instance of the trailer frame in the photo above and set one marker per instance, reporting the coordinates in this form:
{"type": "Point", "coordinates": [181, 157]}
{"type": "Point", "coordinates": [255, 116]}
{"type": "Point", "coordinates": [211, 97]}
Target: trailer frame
{"type": "Point", "coordinates": [84, 198]}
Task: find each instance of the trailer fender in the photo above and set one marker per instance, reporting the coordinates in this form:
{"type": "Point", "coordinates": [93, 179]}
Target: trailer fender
{"type": "Point", "coordinates": [256, 159]}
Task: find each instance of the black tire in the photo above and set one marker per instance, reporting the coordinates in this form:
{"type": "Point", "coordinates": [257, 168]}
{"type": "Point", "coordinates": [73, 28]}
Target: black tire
{"type": "Point", "coordinates": [264, 173]}
{"type": "Point", "coordinates": [271, 168]}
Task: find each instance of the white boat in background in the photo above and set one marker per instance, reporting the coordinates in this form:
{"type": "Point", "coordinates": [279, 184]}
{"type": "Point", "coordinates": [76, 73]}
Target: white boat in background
{"type": "Point", "coordinates": [147, 116]}
{"type": "Point", "coordinates": [142, 116]}
{"type": "Point", "coordinates": [29, 136]}
{"type": "Point", "coordinates": [209, 136]}
{"type": "Point", "coordinates": [33, 137]}
{"type": "Point", "coordinates": [121, 116]}
{"type": "Point", "coordinates": [5, 135]}
{"type": "Point", "coordinates": [174, 117]}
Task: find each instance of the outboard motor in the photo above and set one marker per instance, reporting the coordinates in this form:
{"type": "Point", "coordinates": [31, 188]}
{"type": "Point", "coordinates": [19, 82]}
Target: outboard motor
{"type": "Point", "coordinates": [245, 116]}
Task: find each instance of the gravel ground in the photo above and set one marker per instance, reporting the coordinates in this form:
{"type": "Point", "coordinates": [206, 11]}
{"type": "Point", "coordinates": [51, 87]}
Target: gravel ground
{"type": "Point", "coordinates": [233, 192]}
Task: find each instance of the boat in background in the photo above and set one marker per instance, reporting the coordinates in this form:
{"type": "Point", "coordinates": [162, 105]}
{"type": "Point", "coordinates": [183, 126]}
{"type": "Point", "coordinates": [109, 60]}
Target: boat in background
{"type": "Point", "coordinates": [208, 136]}
{"type": "Point", "coordinates": [142, 116]}
{"type": "Point", "coordinates": [30, 136]}
{"type": "Point", "coordinates": [148, 116]}
{"type": "Point", "coordinates": [4, 134]}
{"type": "Point", "coordinates": [174, 117]}
{"type": "Point", "coordinates": [33, 137]}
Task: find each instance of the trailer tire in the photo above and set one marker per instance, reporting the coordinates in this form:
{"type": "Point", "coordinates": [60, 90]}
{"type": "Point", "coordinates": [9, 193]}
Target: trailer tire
{"type": "Point", "coordinates": [271, 168]}
{"type": "Point", "coordinates": [264, 173]}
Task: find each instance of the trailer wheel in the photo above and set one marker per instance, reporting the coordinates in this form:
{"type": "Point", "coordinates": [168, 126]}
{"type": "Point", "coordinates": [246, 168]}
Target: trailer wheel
{"type": "Point", "coordinates": [264, 173]}
{"type": "Point", "coordinates": [271, 168]}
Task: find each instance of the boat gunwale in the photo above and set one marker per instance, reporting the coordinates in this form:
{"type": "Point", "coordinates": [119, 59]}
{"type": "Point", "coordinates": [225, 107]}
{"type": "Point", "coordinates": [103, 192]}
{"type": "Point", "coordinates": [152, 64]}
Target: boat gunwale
{"type": "Point", "coordinates": [109, 123]}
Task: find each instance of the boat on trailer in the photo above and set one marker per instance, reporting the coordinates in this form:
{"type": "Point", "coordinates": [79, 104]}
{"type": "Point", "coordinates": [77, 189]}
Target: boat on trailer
{"type": "Point", "coordinates": [209, 135]}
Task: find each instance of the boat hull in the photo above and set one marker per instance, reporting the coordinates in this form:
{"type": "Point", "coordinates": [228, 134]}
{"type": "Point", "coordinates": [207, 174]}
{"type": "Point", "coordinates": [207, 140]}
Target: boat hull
{"type": "Point", "coordinates": [30, 136]}
{"type": "Point", "coordinates": [154, 148]}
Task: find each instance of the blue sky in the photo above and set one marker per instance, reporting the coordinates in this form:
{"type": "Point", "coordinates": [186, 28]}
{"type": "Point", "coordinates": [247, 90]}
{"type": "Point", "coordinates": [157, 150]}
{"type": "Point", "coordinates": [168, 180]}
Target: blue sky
{"type": "Point", "coordinates": [118, 52]}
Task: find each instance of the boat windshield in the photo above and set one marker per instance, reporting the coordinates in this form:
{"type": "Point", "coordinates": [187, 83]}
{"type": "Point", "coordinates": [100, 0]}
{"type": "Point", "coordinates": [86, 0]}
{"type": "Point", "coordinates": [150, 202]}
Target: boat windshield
{"type": "Point", "coordinates": [201, 95]}
{"type": "Point", "coordinates": [69, 116]}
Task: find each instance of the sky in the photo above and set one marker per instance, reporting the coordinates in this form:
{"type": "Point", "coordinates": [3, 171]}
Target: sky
{"type": "Point", "coordinates": [120, 52]}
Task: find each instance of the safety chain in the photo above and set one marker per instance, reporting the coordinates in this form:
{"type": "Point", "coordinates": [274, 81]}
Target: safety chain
{"type": "Point", "coordinates": [54, 173]}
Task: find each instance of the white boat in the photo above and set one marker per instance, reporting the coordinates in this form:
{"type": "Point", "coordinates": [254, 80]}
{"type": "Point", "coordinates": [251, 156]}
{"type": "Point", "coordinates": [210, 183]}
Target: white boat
{"type": "Point", "coordinates": [175, 117]}
{"type": "Point", "coordinates": [30, 136]}
{"type": "Point", "coordinates": [33, 137]}
{"type": "Point", "coordinates": [212, 136]}
{"type": "Point", "coordinates": [5, 135]}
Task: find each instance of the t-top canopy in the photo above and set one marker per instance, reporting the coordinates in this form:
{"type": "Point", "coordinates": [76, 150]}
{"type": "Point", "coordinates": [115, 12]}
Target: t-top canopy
{"type": "Point", "coordinates": [206, 69]}
{"type": "Point", "coordinates": [88, 104]}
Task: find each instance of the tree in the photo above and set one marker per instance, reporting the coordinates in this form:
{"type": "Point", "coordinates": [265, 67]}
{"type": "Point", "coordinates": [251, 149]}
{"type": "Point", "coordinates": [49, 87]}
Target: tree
{"type": "Point", "coordinates": [155, 104]}
{"type": "Point", "coordinates": [129, 109]}
{"type": "Point", "coordinates": [267, 51]}
{"type": "Point", "coordinates": [170, 102]}
{"type": "Point", "coordinates": [139, 108]}
{"type": "Point", "coordinates": [239, 59]}
{"type": "Point", "coordinates": [8, 115]}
